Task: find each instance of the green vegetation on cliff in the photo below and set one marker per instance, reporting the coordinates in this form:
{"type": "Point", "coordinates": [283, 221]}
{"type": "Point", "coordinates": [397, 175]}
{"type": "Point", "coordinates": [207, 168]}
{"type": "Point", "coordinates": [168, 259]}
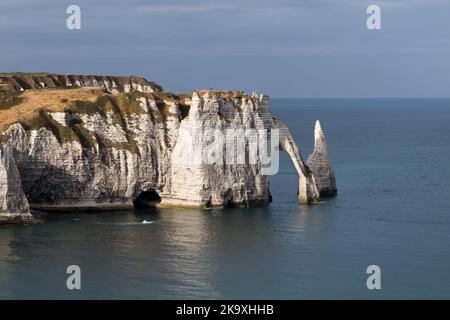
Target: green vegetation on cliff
{"type": "Point", "coordinates": [45, 94]}
{"type": "Point", "coordinates": [9, 97]}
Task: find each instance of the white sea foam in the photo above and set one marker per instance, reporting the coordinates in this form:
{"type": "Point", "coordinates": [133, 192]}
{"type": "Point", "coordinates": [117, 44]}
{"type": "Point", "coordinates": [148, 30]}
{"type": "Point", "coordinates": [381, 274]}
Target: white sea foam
{"type": "Point", "coordinates": [127, 223]}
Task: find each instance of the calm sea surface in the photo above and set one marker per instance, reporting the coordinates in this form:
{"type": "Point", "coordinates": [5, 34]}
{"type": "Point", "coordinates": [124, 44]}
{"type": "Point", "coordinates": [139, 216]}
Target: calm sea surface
{"type": "Point", "coordinates": [392, 163]}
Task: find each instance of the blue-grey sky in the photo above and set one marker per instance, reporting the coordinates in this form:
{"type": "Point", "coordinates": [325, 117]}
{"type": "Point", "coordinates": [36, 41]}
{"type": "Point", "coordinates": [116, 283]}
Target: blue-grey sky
{"type": "Point", "coordinates": [285, 48]}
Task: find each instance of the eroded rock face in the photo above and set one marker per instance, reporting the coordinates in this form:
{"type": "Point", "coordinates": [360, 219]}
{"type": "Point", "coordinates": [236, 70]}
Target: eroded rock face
{"type": "Point", "coordinates": [320, 165]}
{"type": "Point", "coordinates": [108, 171]}
{"type": "Point", "coordinates": [219, 181]}
{"type": "Point", "coordinates": [13, 203]}
{"type": "Point", "coordinates": [64, 175]}
{"type": "Point", "coordinates": [149, 148]}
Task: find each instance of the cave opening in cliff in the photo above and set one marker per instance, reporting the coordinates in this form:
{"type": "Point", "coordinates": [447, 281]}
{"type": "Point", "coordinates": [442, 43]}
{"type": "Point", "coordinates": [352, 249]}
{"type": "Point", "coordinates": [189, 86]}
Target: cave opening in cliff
{"type": "Point", "coordinates": [147, 199]}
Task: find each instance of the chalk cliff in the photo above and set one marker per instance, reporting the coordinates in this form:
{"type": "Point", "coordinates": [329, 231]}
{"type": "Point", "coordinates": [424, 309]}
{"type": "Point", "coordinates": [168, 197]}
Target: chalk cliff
{"type": "Point", "coordinates": [13, 203]}
{"type": "Point", "coordinates": [120, 142]}
{"type": "Point", "coordinates": [320, 165]}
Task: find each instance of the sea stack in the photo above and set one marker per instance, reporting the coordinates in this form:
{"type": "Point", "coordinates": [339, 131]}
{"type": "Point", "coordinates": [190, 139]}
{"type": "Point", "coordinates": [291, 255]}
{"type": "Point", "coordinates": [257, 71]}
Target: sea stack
{"type": "Point", "coordinates": [14, 207]}
{"type": "Point", "coordinates": [320, 164]}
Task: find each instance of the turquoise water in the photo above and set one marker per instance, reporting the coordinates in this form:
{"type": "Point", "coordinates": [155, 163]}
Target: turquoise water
{"type": "Point", "coordinates": [392, 163]}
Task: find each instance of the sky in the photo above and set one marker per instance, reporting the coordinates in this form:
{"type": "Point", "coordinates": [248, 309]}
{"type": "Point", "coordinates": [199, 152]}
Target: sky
{"type": "Point", "coordinates": [284, 48]}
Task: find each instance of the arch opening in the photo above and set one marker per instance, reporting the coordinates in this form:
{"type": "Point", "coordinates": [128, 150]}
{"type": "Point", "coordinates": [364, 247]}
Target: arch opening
{"type": "Point", "coordinates": [147, 199]}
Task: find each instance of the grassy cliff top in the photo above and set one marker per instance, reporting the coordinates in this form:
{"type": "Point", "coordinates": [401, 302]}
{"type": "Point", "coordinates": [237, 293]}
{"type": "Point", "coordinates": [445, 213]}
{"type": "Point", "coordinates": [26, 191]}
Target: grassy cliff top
{"type": "Point", "coordinates": [24, 107]}
{"type": "Point", "coordinates": [32, 108]}
{"type": "Point", "coordinates": [31, 98]}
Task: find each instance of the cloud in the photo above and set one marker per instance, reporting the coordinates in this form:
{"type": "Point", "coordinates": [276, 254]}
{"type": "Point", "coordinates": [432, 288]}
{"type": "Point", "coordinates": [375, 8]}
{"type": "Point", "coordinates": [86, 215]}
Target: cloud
{"type": "Point", "coordinates": [400, 3]}
{"type": "Point", "coordinates": [180, 7]}
{"type": "Point", "coordinates": [327, 39]}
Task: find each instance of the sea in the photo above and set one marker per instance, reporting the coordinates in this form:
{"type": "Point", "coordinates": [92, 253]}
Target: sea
{"type": "Point", "coordinates": [391, 158]}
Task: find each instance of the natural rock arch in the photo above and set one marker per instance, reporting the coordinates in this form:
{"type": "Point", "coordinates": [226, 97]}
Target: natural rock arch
{"type": "Point", "coordinates": [308, 192]}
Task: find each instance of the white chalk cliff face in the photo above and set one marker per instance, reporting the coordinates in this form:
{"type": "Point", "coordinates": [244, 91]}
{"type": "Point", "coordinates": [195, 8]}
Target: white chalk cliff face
{"type": "Point", "coordinates": [150, 154]}
{"type": "Point", "coordinates": [13, 203]}
{"type": "Point", "coordinates": [219, 182]}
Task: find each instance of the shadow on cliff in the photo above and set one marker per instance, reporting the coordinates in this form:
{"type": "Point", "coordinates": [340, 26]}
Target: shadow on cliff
{"type": "Point", "coordinates": [49, 188]}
